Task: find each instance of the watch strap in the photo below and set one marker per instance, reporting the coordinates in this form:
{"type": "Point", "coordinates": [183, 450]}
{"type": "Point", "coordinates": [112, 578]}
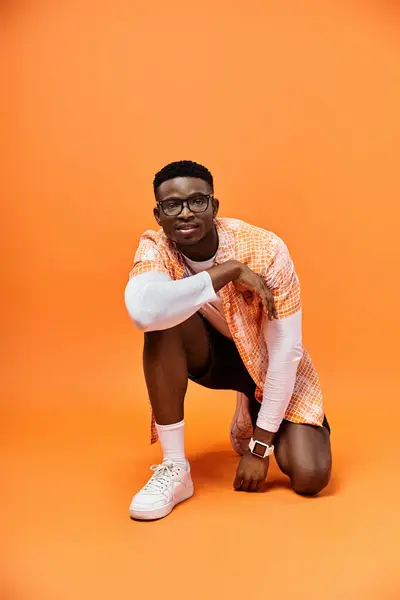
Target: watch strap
{"type": "Point", "coordinates": [260, 449]}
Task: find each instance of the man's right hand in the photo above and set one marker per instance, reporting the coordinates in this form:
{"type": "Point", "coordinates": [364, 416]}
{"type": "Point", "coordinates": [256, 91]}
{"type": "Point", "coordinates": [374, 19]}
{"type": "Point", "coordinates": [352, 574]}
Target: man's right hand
{"type": "Point", "coordinates": [246, 281]}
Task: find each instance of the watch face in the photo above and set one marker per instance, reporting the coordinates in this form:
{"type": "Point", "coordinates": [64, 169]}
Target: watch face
{"type": "Point", "coordinates": [259, 449]}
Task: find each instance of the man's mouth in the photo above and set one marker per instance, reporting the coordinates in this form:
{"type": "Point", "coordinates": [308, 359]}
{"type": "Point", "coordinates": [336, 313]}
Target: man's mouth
{"type": "Point", "coordinates": [187, 227]}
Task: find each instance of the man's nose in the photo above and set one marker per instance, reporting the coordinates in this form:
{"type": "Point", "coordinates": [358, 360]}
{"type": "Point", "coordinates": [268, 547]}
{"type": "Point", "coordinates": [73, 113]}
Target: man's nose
{"type": "Point", "coordinates": [186, 212]}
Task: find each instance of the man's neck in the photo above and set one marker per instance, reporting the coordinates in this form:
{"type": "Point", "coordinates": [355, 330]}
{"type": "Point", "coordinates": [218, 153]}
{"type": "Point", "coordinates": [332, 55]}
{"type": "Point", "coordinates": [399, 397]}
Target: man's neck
{"type": "Point", "coordinates": [204, 250]}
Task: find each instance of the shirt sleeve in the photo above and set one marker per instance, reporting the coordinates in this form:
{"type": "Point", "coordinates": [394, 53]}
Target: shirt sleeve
{"type": "Point", "coordinates": [147, 258]}
{"type": "Point", "coordinates": [155, 302]}
{"type": "Point", "coordinates": [285, 350]}
{"type": "Point", "coordinates": [281, 278]}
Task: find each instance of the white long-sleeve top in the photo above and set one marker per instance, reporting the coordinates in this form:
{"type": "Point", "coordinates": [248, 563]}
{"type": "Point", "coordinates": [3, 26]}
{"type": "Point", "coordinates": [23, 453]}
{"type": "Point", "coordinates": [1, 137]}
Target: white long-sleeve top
{"type": "Point", "coordinates": [155, 302]}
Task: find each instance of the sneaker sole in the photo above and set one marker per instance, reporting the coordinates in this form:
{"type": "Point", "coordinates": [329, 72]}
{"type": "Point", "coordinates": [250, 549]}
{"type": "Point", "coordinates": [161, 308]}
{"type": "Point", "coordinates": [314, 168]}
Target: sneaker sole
{"type": "Point", "coordinates": [159, 513]}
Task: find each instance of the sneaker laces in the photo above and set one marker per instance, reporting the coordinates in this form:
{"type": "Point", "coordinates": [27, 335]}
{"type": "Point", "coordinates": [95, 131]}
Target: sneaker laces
{"type": "Point", "coordinates": [162, 477]}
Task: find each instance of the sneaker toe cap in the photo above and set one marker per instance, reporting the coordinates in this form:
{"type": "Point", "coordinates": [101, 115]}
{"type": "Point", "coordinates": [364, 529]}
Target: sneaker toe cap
{"type": "Point", "coordinates": [148, 502]}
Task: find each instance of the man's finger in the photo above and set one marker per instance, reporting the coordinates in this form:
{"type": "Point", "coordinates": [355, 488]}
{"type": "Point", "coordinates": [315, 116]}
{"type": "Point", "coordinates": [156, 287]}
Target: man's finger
{"type": "Point", "coordinates": [271, 305]}
{"type": "Point", "coordinates": [262, 485]}
{"type": "Point", "coordinates": [253, 487]}
{"type": "Point", "coordinates": [238, 480]}
{"type": "Point", "coordinates": [272, 311]}
{"type": "Point", "coordinates": [269, 302]}
{"type": "Point", "coordinates": [265, 303]}
{"type": "Point", "coordinates": [245, 485]}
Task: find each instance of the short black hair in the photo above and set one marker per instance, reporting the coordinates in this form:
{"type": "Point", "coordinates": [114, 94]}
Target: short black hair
{"type": "Point", "coordinates": [182, 168]}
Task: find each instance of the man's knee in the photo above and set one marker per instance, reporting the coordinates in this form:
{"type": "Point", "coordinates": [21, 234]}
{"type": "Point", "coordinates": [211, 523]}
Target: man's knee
{"type": "Point", "coordinates": [310, 479]}
{"type": "Point", "coordinates": [154, 336]}
{"type": "Point", "coordinates": [187, 339]}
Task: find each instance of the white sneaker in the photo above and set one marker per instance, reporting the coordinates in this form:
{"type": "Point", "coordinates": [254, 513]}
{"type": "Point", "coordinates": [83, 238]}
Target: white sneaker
{"type": "Point", "coordinates": [167, 487]}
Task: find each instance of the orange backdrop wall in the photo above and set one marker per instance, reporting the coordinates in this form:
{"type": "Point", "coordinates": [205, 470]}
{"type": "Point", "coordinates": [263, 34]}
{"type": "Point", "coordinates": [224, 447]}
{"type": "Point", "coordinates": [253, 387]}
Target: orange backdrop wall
{"type": "Point", "coordinates": [294, 107]}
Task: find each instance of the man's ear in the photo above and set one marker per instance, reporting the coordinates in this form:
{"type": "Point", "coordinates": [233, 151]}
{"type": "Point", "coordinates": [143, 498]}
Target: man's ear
{"type": "Point", "coordinates": [215, 205]}
{"type": "Point", "coordinates": [156, 213]}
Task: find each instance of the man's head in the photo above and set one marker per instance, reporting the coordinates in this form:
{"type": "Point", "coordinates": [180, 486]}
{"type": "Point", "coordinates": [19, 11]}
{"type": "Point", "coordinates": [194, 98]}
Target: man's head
{"type": "Point", "coordinates": [186, 206]}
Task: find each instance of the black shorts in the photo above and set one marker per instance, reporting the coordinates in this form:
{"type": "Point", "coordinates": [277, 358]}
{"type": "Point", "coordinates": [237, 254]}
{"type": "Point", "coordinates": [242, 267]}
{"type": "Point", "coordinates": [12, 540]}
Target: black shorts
{"type": "Point", "coordinates": [225, 371]}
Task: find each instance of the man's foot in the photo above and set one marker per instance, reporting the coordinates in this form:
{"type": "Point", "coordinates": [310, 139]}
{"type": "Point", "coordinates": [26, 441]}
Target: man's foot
{"type": "Point", "coordinates": [167, 487]}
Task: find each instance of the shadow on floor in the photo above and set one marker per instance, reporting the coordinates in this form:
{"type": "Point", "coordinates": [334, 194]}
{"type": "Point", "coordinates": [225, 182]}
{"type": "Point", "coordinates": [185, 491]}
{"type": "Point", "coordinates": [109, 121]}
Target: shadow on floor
{"type": "Point", "coordinates": [217, 467]}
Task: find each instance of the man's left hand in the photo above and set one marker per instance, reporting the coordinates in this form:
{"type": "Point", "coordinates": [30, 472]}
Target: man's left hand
{"type": "Point", "coordinates": [251, 473]}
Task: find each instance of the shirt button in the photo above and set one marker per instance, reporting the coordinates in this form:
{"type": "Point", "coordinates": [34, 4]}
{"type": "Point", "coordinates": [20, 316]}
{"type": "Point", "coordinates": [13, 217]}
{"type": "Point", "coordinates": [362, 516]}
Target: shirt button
{"type": "Point", "coordinates": [237, 335]}
{"type": "Point", "coordinates": [228, 305]}
{"type": "Point", "coordinates": [250, 362]}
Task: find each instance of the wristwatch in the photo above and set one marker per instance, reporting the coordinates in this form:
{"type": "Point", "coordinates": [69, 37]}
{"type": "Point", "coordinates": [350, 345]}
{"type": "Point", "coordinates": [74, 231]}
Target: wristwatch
{"type": "Point", "coordinates": [260, 449]}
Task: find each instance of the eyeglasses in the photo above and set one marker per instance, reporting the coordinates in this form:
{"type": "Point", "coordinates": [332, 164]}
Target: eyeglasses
{"type": "Point", "coordinates": [196, 204]}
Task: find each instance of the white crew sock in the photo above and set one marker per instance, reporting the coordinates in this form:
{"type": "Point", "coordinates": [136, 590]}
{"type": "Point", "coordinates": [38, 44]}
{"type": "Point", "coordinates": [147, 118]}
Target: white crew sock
{"type": "Point", "coordinates": [172, 443]}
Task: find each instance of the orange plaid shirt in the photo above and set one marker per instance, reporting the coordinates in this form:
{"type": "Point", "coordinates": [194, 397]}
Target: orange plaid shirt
{"type": "Point", "coordinates": [265, 254]}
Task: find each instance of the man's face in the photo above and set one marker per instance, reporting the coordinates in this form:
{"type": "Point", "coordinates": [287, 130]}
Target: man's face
{"type": "Point", "coordinates": [188, 228]}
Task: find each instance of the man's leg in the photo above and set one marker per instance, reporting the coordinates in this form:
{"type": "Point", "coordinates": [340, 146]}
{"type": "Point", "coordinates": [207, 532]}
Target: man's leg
{"type": "Point", "coordinates": [303, 452]}
{"type": "Point", "coordinates": [168, 358]}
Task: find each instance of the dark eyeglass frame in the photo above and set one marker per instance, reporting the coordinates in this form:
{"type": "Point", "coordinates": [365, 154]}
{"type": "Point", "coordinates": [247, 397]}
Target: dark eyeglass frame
{"type": "Point", "coordinates": [187, 201]}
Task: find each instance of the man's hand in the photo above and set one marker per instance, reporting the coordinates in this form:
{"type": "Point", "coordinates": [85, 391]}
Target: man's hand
{"type": "Point", "coordinates": [248, 283]}
{"type": "Point", "coordinates": [251, 473]}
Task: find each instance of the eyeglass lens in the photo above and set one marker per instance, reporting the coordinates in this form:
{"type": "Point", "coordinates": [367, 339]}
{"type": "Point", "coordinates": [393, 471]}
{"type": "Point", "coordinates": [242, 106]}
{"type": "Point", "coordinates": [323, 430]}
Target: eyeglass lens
{"type": "Point", "coordinates": [196, 204]}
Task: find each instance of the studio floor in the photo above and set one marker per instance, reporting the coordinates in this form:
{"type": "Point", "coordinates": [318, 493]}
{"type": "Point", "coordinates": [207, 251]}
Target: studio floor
{"type": "Point", "coordinates": [72, 472]}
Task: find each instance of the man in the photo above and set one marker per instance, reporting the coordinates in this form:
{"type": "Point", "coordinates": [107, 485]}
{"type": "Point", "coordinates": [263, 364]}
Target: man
{"type": "Point", "coordinates": [219, 303]}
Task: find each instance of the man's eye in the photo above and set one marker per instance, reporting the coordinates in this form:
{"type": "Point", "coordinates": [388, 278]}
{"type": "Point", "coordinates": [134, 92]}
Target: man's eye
{"type": "Point", "coordinates": [199, 201]}
{"type": "Point", "coordinates": [172, 205]}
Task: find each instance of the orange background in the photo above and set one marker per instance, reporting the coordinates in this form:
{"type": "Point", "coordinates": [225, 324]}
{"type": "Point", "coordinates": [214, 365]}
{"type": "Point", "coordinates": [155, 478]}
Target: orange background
{"type": "Point", "coordinates": [294, 106]}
